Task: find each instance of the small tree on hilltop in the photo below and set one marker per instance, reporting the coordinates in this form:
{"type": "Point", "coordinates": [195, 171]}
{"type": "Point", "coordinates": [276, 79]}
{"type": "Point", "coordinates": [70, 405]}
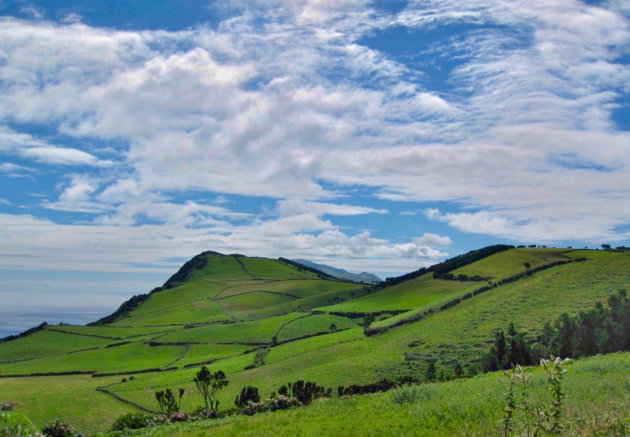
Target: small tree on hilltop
{"type": "Point", "coordinates": [209, 384]}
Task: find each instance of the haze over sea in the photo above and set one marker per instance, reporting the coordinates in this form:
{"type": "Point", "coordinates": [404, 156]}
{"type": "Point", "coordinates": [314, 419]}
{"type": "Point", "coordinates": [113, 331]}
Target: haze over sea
{"type": "Point", "coordinates": [16, 321]}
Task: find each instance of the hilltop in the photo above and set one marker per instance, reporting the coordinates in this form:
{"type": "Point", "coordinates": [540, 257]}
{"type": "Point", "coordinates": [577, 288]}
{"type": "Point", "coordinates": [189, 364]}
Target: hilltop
{"type": "Point", "coordinates": [266, 322]}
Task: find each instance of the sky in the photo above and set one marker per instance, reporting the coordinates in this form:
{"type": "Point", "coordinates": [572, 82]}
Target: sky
{"type": "Point", "coordinates": [376, 136]}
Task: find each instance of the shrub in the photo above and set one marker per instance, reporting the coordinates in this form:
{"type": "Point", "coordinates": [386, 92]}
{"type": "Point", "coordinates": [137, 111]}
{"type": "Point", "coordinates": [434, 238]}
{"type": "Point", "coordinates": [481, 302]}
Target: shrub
{"type": "Point", "coordinates": [305, 392]}
{"type": "Point", "coordinates": [166, 400]}
{"type": "Point", "coordinates": [407, 395]}
{"type": "Point", "coordinates": [136, 421]}
{"type": "Point", "coordinates": [202, 413]}
{"type": "Point", "coordinates": [180, 416]}
{"type": "Point", "coordinates": [17, 425]}
{"type": "Point", "coordinates": [279, 402]}
{"type": "Point", "coordinates": [248, 394]}
{"type": "Point", "coordinates": [60, 429]}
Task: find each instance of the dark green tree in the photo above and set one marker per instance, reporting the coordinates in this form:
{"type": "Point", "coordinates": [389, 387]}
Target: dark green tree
{"type": "Point", "coordinates": [167, 402]}
{"type": "Point", "coordinates": [209, 384]}
{"type": "Point", "coordinates": [248, 394]}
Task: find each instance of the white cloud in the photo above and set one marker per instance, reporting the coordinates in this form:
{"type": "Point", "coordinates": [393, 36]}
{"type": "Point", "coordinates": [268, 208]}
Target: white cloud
{"type": "Point", "coordinates": [296, 205]}
{"type": "Point", "coordinates": [297, 106]}
{"type": "Point", "coordinates": [27, 146]}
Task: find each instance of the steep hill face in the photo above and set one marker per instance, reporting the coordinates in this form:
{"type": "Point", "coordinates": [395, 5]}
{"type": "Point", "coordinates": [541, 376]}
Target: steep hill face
{"type": "Point", "coordinates": [209, 277]}
{"type": "Point", "coordinates": [266, 322]}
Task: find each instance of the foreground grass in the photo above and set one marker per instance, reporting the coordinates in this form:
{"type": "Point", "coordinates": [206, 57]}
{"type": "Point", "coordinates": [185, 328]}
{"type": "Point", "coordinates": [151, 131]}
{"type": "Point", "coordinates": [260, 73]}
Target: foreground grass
{"type": "Point", "coordinates": [598, 397]}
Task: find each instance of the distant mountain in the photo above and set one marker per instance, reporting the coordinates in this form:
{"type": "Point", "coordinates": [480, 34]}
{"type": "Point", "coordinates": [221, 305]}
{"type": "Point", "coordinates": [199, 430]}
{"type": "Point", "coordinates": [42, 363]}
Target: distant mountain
{"type": "Point", "coordinates": [366, 277]}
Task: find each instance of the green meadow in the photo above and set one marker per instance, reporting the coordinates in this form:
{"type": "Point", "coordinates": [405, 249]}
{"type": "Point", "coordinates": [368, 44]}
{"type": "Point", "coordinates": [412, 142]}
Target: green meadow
{"type": "Point", "coordinates": [598, 390]}
{"type": "Point", "coordinates": [266, 323]}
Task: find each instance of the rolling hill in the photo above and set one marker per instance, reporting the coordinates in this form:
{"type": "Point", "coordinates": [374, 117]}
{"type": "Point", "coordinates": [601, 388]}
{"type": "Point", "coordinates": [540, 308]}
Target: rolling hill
{"type": "Point", "coordinates": [266, 322]}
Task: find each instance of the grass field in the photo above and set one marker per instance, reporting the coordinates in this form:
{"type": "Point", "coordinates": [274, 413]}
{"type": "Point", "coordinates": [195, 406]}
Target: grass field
{"type": "Point", "coordinates": [70, 398]}
{"type": "Point", "coordinates": [245, 316]}
{"type": "Point", "coordinates": [598, 390]}
{"type": "Point", "coordinates": [411, 294]}
{"type": "Point", "coordinates": [504, 264]}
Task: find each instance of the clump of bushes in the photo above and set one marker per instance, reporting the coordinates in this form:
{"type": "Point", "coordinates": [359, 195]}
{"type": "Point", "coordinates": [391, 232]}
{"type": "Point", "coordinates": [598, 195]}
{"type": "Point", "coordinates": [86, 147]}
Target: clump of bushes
{"type": "Point", "coordinates": [17, 425]}
{"type": "Point", "coordinates": [279, 402]}
{"type": "Point", "coordinates": [60, 429]}
{"type": "Point", "coordinates": [167, 402]}
{"type": "Point", "coordinates": [137, 421]}
{"type": "Point", "coordinates": [248, 394]}
{"type": "Point", "coordinates": [304, 392]}
{"type": "Point", "coordinates": [375, 387]}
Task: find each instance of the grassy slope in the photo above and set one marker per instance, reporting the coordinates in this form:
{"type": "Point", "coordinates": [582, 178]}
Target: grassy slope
{"type": "Point", "coordinates": [70, 398]}
{"type": "Point", "coordinates": [504, 264]}
{"type": "Point", "coordinates": [46, 343]}
{"type": "Point", "coordinates": [407, 295]}
{"type": "Point", "coordinates": [598, 397]}
{"type": "Point", "coordinates": [460, 333]}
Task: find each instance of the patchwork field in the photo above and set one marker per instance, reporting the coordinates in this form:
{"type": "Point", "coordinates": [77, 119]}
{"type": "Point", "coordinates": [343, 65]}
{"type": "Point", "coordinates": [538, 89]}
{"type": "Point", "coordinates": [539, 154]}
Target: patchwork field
{"type": "Point", "coordinates": [266, 322]}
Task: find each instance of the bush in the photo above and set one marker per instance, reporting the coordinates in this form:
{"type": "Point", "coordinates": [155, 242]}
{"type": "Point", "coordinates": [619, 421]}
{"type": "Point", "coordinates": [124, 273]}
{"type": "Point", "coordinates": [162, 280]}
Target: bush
{"type": "Point", "coordinates": [248, 394]}
{"type": "Point", "coordinates": [60, 429]}
{"type": "Point", "coordinates": [17, 425]}
{"type": "Point", "coordinates": [406, 395]}
{"type": "Point", "coordinates": [166, 400]}
{"type": "Point", "coordinates": [305, 392]}
{"type": "Point", "coordinates": [202, 413]}
{"type": "Point", "coordinates": [180, 416]}
{"type": "Point", "coordinates": [137, 421]}
{"type": "Point", "coordinates": [279, 402]}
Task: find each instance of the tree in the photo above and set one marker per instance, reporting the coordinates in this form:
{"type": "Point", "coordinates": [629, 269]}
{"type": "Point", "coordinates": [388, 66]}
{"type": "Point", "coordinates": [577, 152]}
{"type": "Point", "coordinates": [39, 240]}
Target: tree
{"type": "Point", "coordinates": [209, 384]}
{"type": "Point", "coordinates": [167, 402]}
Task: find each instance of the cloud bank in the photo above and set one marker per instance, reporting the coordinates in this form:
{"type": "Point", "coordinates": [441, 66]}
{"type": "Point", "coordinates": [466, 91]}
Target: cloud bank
{"type": "Point", "coordinates": [504, 111]}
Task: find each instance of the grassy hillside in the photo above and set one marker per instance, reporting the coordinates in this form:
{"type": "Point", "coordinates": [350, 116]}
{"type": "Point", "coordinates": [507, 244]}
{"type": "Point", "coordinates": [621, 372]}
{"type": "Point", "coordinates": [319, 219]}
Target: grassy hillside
{"type": "Point", "coordinates": [597, 402]}
{"type": "Point", "coordinates": [265, 322]}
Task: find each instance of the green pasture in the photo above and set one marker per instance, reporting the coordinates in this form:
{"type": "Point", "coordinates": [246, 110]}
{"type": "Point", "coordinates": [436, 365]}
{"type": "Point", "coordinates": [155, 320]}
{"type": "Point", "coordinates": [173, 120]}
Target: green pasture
{"type": "Point", "coordinates": [597, 402]}
{"type": "Point", "coordinates": [256, 331]}
{"type": "Point", "coordinates": [417, 292]}
{"type": "Point", "coordinates": [73, 399]}
{"type": "Point", "coordinates": [508, 263]}
{"type": "Point", "coordinates": [312, 324]}
{"type": "Point", "coordinates": [298, 288]}
{"type": "Point", "coordinates": [110, 332]}
{"type": "Point", "coordinates": [199, 353]}
{"type": "Point", "coordinates": [46, 343]}
{"type": "Point", "coordinates": [124, 358]}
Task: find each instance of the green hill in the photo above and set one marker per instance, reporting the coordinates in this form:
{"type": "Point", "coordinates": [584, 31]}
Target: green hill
{"type": "Point", "coordinates": [266, 322]}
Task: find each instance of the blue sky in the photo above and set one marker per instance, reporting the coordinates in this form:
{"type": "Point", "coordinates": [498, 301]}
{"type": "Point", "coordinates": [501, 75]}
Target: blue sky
{"type": "Point", "coordinates": [369, 135]}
